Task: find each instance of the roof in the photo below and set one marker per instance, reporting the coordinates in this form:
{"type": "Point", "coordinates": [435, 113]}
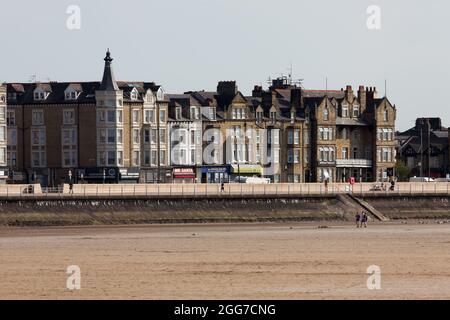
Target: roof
{"type": "Point", "coordinates": [108, 82]}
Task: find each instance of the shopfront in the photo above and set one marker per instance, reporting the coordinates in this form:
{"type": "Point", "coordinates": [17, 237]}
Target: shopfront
{"type": "Point", "coordinates": [98, 175]}
{"type": "Point", "coordinates": [245, 170]}
{"type": "Point", "coordinates": [183, 175]}
{"type": "Point", "coordinates": [129, 175]}
{"type": "Point", "coordinates": [216, 174]}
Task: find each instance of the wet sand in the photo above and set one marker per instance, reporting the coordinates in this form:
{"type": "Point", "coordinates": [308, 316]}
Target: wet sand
{"type": "Point", "coordinates": [227, 261]}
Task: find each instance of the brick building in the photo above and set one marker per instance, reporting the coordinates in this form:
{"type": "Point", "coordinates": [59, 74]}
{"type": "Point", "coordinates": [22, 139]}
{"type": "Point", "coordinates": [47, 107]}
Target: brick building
{"type": "Point", "coordinates": [104, 131]}
{"type": "Point", "coordinates": [114, 131]}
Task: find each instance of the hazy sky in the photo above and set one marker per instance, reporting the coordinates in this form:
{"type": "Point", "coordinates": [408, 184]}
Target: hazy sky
{"type": "Point", "coordinates": [190, 45]}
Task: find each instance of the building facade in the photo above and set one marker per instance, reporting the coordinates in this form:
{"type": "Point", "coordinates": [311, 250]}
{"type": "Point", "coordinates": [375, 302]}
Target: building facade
{"type": "Point", "coordinates": [424, 148]}
{"type": "Point", "coordinates": [127, 132]}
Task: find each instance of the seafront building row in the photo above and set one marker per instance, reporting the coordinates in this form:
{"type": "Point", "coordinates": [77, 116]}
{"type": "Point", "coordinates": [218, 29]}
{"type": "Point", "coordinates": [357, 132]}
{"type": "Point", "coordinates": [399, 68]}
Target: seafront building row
{"type": "Point", "coordinates": [117, 132]}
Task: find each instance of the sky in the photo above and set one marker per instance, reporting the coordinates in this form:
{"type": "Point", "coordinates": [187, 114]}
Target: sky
{"type": "Point", "coordinates": [191, 45]}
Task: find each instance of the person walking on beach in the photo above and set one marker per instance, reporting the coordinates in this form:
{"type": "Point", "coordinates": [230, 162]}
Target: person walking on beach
{"type": "Point", "coordinates": [364, 220]}
{"type": "Point", "coordinates": [358, 219]}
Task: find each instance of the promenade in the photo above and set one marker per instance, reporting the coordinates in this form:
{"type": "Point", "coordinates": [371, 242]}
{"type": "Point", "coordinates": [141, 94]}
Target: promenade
{"type": "Point", "coordinates": [233, 190]}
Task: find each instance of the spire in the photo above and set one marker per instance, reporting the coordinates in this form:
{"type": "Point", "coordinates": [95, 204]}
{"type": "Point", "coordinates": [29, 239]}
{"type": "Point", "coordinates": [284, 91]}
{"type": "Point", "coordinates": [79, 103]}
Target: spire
{"type": "Point", "coordinates": [108, 82]}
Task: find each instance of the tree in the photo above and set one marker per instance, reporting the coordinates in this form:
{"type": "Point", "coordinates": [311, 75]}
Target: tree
{"type": "Point", "coordinates": [402, 171]}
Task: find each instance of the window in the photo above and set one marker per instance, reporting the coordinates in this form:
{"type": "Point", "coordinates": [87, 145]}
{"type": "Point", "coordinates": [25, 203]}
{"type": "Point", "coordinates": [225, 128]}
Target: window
{"type": "Point", "coordinates": [136, 158]}
{"type": "Point", "coordinates": [149, 116]}
{"type": "Point", "coordinates": [385, 115]}
{"type": "Point", "coordinates": [38, 158]}
{"type": "Point", "coordinates": [177, 113]}
{"type": "Point", "coordinates": [40, 95]}
{"type": "Point", "coordinates": [69, 116]}
{"type": "Point", "coordinates": [154, 135]}
{"type": "Point", "coordinates": [325, 114]}
{"type": "Point", "coordinates": [290, 137]}
{"type": "Point", "coordinates": [162, 157]}
{"type": "Point", "coordinates": [273, 115]}
{"type": "Point", "coordinates": [162, 116]}
{"type": "Point", "coordinates": [2, 114]}
{"type": "Point", "coordinates": [136, 138]}
{"type": "Point", "coordinates": [69, 137]}
{"type": "Point", "coordinates": [38, 137]}
{"type": "Point", "coordinates": [101, 115]}
{"type": "Point", "coordinates": [344, 111]}
{"type": "Point", "coordinates": [296, 136]}
{"type": "Point", "coordinates": [12, 136]}
{"type": "Point", "coordinates": [355, 111]}
{"type": "Point", "coordinates": [162, 135]}
{"type": "Point", "coordinates": [69, 158]}
{"type": "Point", "coordinates": [259, 115]}
{"type": "Point", "coordinates": [111, 116]}
{"type": "Point", "coordinates": [345, 153]}
{"type": "Point", "coordinates": [135, 116]}
{"type": "Point", "coordinates": [2, 133]}
{"type": "Point", "coordinates": [111, 135]}
{"type": "Point", "coordinates": [276, 156]}
{"type": "Point", "coordinates": [194, 113]}
{"type": "Point", "coordinates": [11, 118]}
{"type": "Point", "coordinates": [12, 158]}
{"type": "Point", "coordinates": [306, 138]}
{"type": "Point", "coordinates": [344, 134]}
{"type": "Point", "coordinates": [296, 156]}
{"type": "Point", "coordinates": [119, 136]}
{"type": "Point", "coordinates": [193, 137]}
{"type": "Point", "coordinates": [37, 117]}
{"type": "Point", "coordinates": [290, 156]}
{"type": "Point", "coordinates": [146, 136]}
{"type": "Point", "coordinates": [134, 94]}
{"type": "Point", "coordinates": [147, 157]}
{"type": "Point", "coordinates": [111, 158]}
{"type": "Point", "coordinates": [154, 158]}
{"type": "Point", "coordinates": [119, 116]}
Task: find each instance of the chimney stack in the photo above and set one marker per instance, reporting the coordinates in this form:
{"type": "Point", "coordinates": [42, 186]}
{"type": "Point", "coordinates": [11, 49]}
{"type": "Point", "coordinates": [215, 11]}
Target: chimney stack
{"type": "Point", "coordinates": [362, 97]}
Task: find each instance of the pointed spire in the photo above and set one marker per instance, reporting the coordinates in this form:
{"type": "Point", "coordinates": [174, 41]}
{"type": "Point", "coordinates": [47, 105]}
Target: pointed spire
{"type": "Point", "coordinates": [108, 82]}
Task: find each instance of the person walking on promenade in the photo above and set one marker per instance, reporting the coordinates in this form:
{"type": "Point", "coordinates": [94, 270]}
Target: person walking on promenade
{"type": "Point", "coordinates": [358, 219]}
{"type": "Point", "coordinates": [222, 187]}
{"type": "Point", "coordinates": [364, 220]}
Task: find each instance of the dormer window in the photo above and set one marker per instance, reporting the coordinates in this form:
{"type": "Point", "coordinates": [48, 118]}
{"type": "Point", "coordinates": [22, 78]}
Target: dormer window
{"type": "Point", "coordinates": [273, 115]}
{"type": "Point", "coordinates": [71, 95]}
{"type": "Point", "coordinates": [259, 115]}
{"type": "Point", "coordinates": [40, 95]}
{"type": "Point", "coordinates": [344, 111]}
{"type": "Point", "coordinates": [355, 111]}
{"type": "Point", "coordinates": [178, 113]}
{"type": "Point", "coordinates": [134, 94]}
{"type": "Point", "coordinates": [195, 114]}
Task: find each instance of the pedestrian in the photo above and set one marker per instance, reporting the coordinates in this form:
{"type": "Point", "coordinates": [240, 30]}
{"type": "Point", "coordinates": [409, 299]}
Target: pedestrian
{"type": "Point", "coordinates": [364, 220]}
{"type": "Point", "coordinates": [222, 187]}
{"type": "Point", "coordinates": [358, 219]}
{"type": "Point", "coordinates": [70, 188]}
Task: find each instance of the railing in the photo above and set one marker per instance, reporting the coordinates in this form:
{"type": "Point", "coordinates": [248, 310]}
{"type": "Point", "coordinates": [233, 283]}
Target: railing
{"type": "Point", "coordinates": [358, 163]}
{"type": "Point", "coordinates": [156, 191]}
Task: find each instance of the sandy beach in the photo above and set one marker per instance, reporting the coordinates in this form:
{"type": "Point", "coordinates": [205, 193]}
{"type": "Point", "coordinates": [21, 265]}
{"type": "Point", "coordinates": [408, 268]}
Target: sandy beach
{"type": "Point", "coordinates": [227, 261]}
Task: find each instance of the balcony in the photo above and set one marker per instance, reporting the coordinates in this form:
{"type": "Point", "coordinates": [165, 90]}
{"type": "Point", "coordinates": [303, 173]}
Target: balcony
{"type": "Point", "coordinates": [353, 163]}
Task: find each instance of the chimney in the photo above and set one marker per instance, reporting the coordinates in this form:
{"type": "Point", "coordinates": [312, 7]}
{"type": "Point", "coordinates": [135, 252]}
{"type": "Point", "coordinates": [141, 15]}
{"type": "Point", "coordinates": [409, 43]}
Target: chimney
{"type": "Point", "coordinates": [296, 98]}
{"type": "Point", "coordinates": [349, 93]}
{"type": "Point", "coordinates": [362, 97]}
{"type": "Point", "coordinates": [268, 98]}
{"type": "Point", "coordinates": [369, 97]}
{"type": "Point", "coordinates": [227, 88]}
{"type": "Point", "coordinates": [257, 92]}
